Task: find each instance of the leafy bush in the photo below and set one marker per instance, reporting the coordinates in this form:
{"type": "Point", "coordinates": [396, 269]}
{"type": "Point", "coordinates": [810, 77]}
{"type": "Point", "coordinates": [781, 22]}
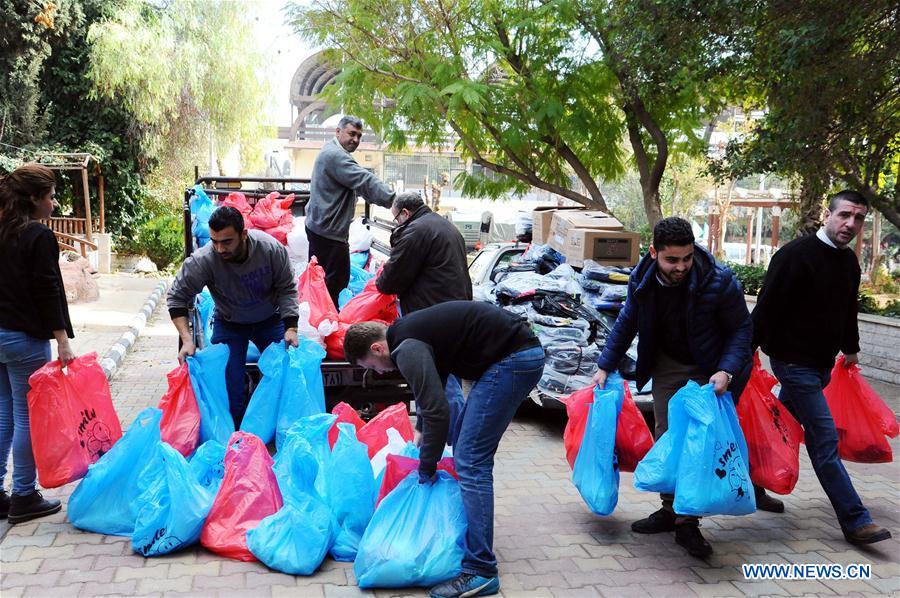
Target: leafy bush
{"type": "Point", "coordinates": [867, 303]}
{"type": "Point", "coordinates": [162, 240]}
{"type": "Point", "coordinates": [751, 277]}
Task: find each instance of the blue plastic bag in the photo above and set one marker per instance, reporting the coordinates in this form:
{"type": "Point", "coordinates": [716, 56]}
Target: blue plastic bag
{"type": "Point", "coordinates": [207, 372]}
{"type": "Point", "coordinates": [305, 444]}
{"type": "Point", "coordinates": [596, 471]}
{"type": "Point", "coordinates": [104, 501]}
{"type": "Point", "coordinates": [713, 478]}
{"type": "Point", "coordinates": [359, 259]}
{"type": "Point", "coordinates": [202, 208]}
{"type": "Point", "coordinates": [172, 506]}
{"type": "Point", "coordinates": [208, 465]}
{"type": "Point", "coordinates": [262, 411]}
{"type": "Point", "coordinates": [351, 491]}
{"type": "Point", "coordinates": [415, 537]}
{"type": "Point", "coordinates": [658, 470]}
{"type": "Point", "coordinates": [358, 280]}
{"type": "Point", "coordinates": [303, 392]}
{"type": "Point", "coordinates": [206, 307]}
{"type": "Point", "coordinates": [296, 539]}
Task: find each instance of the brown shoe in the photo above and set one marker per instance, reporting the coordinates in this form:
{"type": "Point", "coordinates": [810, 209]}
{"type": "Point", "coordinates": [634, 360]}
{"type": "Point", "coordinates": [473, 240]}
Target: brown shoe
{"type": "Point", "coordinates": [867, 534]}
{"type": "Point", "coordinates": [766, 502]}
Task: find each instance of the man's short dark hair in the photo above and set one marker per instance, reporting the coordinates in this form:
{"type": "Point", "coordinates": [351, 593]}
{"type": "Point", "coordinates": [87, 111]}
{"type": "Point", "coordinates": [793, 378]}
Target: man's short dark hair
{"type": "Point", "coordinates": [848, 195]}
{"type": "Point", "coordinates": [347, 119]}
{"type": "Point", "coordinates": [409, 200]}
{"type": "Point", "coordinates": [224, 217]}
{"type": "Point", "coordinates": [672, 231]}
{"type": "Point", "coordinates": [359, 338]}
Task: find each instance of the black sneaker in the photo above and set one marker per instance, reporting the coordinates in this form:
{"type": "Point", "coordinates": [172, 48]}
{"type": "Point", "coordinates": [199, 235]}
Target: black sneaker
{"type": "Point", "coordinates": [465, 586]}
{"type": "Point", "coordinates": [656, 523]}
{"type": "Point", "coordinates": [688, 535]}
{"type": "Point", "coordinates": [765, 502]}
{"type": "Point", "coordinates": [31, 506]}
{"type": "Point", "coordinates": [4, 504]}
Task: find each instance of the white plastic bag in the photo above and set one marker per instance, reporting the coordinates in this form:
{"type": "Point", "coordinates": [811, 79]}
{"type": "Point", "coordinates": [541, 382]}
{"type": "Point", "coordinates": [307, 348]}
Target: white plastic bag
{"type": "Point", "coordinates": [393, 447]}
{"type": "Point", "coordinates": [297, 243]}
{"type": "Point", "coordinates": [360, 236]}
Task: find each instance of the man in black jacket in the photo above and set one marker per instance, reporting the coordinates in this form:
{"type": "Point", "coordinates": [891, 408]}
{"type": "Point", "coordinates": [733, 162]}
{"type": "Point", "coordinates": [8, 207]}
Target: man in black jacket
{"type": "Point", "coordinates": [806, 313]}
{"type": "Point", "coordinates": [428, 258]}
{"type": "Point", "coordinates": [474, 341]}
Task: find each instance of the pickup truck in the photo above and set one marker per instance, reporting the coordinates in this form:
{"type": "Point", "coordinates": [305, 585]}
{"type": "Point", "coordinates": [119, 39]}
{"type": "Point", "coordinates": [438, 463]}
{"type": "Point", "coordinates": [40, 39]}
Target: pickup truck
{"type": "Point", "coordinates": [492, 261]}
{"type": "Point", "coordinates": [367, 391]}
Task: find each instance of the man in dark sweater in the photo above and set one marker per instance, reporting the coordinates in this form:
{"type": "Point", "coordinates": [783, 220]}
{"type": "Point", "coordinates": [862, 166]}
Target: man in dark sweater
{"type": "Point", "coordinates": [805, 314]}
{"type": "Point", "coordinates": [474, 341]}
{"type": "Point", "coordinates": [336, 181]}
{"type": "Point", "coordinates": [692, 324]}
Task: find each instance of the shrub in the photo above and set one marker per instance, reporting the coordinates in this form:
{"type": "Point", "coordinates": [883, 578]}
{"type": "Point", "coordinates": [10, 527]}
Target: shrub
{"type": "Point", "coordinates": [751, 277]}
{"type": "Point", "coordinates": [867, 303]}
{"type": "Point", "coordinates": [162, 240]}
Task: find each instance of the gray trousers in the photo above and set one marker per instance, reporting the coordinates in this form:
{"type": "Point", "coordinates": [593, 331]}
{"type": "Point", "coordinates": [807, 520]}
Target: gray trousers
{"type": "Point", "coordinates": [669, 376]}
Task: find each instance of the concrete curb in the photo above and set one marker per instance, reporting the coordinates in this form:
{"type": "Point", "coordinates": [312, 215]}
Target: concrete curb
{"type": "Point", "coordinates": [114, 356]}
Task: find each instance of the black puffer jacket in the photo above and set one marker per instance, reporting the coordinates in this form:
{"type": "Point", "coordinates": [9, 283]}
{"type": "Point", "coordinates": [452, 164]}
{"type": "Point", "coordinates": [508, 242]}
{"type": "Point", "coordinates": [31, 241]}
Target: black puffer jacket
{"type": "Point", "coordinates": [428, 263]}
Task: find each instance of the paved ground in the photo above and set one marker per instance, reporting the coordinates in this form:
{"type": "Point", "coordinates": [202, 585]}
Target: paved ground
{"type": "Point", "coordinates": [547, 541]}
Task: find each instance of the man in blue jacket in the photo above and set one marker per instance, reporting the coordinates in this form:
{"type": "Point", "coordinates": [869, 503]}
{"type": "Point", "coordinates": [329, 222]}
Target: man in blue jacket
{"type": "Point", "coordinates": [693, 324]}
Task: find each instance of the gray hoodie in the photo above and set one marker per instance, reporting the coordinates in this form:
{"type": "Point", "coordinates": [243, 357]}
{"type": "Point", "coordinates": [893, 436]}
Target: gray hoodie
{"type": "Point", "coordinates": [336, 181]}
{"type": "Point", "coordinates": [244, 293]}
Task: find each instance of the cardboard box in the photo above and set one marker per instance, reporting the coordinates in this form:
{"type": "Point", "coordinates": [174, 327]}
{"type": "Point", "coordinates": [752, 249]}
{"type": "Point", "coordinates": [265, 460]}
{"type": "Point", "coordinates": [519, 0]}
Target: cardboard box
{"type": "Point", "coordinates": [606, 247]}
{"type": "Point", "coordinates": [563, 222]}
{"type": "Point", "coordinates": [540, 222]}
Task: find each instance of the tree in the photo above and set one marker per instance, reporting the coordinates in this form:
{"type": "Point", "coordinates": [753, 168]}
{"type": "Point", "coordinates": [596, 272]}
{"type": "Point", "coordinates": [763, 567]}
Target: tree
{"type": "Point", "coordinates": [828, 73]}
{"type": "Point", "coordinates": [186, 69]}
{"type": "Point", "coordinates": [538, 93]}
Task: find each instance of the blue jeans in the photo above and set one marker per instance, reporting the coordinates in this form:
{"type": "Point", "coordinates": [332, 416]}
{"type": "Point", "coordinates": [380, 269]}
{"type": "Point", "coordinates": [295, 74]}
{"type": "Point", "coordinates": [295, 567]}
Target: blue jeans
{"type": "Point", "coordinates": [487, 412]}
{"type": "Point", "coordinates": [20, 356]}
{"type": "Point", "coordinates": [238, 337]}
{"type": "Point", "coordinates": [801, 393]}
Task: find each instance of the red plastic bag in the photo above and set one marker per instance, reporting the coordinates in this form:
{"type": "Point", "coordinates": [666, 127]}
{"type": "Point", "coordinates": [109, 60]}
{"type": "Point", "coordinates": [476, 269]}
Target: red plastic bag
{"type": "Point", "coordinates": [238, 201]}
{"type": "Point", "coordinates": [345, 415]}
{"type": "Point", "coordinates": [860, 416]}
{"type": "Point", "coordinates": [271, 212]}
{"type": "Point", "coordinates": [249, 493]}
{"type": "Point", "coordinates": [374, 433]}
{"type": "Point", "coordinates": [578, 404]}
{"type": "Point", "coordinates": [180, 424]}
{"type": "Point", "coordinates": [72, 419]}
{"type": "Point", "coordinates": [773, 435]}
{"type": "Point", "coordinates": [334, 342]}
{"type": "Point", "coordinates": [281, 232]}
{"type": "Point", "coordinates": [311, 289]}
{"type": "Point", "coordinates": [369, 305]}
{"type": "Point", "coordinates": [633, 438]}
{"type": "Point", "coordinates": [398, 467]}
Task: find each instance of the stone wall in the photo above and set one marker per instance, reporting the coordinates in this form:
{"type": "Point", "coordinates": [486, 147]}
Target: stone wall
{"type": "Point", "coordinates": [879, 342]}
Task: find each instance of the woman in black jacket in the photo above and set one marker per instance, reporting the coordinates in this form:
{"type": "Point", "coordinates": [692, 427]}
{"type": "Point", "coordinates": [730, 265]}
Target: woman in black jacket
{"type": "Point", "coordinates": [33, 310]}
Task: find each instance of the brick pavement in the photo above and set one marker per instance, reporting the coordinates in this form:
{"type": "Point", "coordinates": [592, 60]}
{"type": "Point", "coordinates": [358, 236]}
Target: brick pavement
{"type": "Point", "coordinates": [547, 541]}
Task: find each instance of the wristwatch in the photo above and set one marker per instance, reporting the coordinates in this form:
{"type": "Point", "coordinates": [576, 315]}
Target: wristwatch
{"type": "Point", "coordinates": [730, 376]}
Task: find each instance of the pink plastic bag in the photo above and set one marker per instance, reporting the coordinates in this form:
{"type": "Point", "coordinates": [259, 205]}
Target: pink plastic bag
{"type": "Point", "coordinates": [374, 433]}
{"type": "Point", "coordinates": [270, 212]}
{"type": "Point", "coordinates": [249, 493]}
{"type": "Point", "coordinates": [238, 201]}
{"type": "Point", "coordinates": [72, 419]}
{"type": "Point", "coordinates": [345, 415]}
{"type": "Point", "coordinates": [311, 289]}
{"type": "Point", "coordinates": [369, 305]}
{"type": "Point", "coordinates": [180, 425]}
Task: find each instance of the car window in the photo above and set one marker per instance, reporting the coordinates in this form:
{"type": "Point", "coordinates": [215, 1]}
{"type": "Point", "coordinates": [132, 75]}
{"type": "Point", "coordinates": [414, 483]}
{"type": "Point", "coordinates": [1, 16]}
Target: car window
{"type": "Point", "coordinates": [506, 258]}
{"type": "Point", "coordinates": [479, 265]}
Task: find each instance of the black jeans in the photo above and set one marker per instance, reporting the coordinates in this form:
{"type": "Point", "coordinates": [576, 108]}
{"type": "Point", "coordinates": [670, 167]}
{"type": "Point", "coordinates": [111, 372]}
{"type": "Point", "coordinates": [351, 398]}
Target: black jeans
{"type": "Point", "coordinates": [334, 257]}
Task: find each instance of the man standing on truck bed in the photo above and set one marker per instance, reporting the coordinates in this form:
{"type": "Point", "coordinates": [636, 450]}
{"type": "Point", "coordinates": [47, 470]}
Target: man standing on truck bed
{"type": "Point", "coordinates": [336, 181]}
{"type": "Point", "coordinates": [251, 282]}
{"type": "Point", "coordinates": [474, 341]}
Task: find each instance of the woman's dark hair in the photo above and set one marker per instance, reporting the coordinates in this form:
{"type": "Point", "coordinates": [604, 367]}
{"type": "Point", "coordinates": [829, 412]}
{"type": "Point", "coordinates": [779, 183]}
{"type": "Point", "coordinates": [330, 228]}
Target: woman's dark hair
{"type": "Point", "coordinates": [224, 217]}
{"type": "Point", "coordinates": [672, 232]}
{"type": "Point", "coordinates": [17, 192]}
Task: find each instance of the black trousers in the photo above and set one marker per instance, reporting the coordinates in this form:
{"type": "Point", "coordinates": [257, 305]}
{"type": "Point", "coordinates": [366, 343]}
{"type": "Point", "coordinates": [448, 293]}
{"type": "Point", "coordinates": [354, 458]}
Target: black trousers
{"type": "Point", "coordinates": [334, 257]}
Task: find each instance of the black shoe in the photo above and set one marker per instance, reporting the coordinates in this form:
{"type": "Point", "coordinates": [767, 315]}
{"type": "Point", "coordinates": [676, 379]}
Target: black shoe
{"type": "Point", "coordinates": [31, 506]}
{"type": "Point", "coordinates": [4, 504]}
{"type": "Point", "coordinates": [658, 522]}
{"type": "Point", "coordinates": [465, 586]}
{"type": "Point", "coordinates": [764, 502]}
{"type": "Point", "coordinates": [688, 535]}
{"type": "Point", "coordinates": [867, 534]}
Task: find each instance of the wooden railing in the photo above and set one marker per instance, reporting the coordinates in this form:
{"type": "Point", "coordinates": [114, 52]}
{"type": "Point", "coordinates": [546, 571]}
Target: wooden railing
{"type": "Point", "coordinates": [70, 241]}
{"type": "Point", "coordinates": [70, 226]}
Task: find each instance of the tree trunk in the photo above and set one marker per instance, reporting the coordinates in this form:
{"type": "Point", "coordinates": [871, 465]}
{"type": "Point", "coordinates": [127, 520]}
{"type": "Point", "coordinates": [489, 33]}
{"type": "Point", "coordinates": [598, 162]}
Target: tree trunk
{"type": "Point", "coordinates": [813, 187]}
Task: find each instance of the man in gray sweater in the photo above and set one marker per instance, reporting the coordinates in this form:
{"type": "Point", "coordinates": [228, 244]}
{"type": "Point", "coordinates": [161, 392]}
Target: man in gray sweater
{"type": "Point", "coordinates": [337, 180]}
{"type": "Point", "coordinates": [251, 282]}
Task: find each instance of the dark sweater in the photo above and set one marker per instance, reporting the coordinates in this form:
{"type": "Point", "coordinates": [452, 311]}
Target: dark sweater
{"type": "Point", "coordinates": [463, 338]}
{"type": "Point", "coordinates": [32, 296]}
{"type": "Point", "coordinates": [807, 307]}
{"type": "Point", "coordinates": [670, 305]}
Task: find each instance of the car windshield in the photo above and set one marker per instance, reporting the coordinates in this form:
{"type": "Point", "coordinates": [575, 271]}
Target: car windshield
{"type": "Point", "coordinates": [478, 266]}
